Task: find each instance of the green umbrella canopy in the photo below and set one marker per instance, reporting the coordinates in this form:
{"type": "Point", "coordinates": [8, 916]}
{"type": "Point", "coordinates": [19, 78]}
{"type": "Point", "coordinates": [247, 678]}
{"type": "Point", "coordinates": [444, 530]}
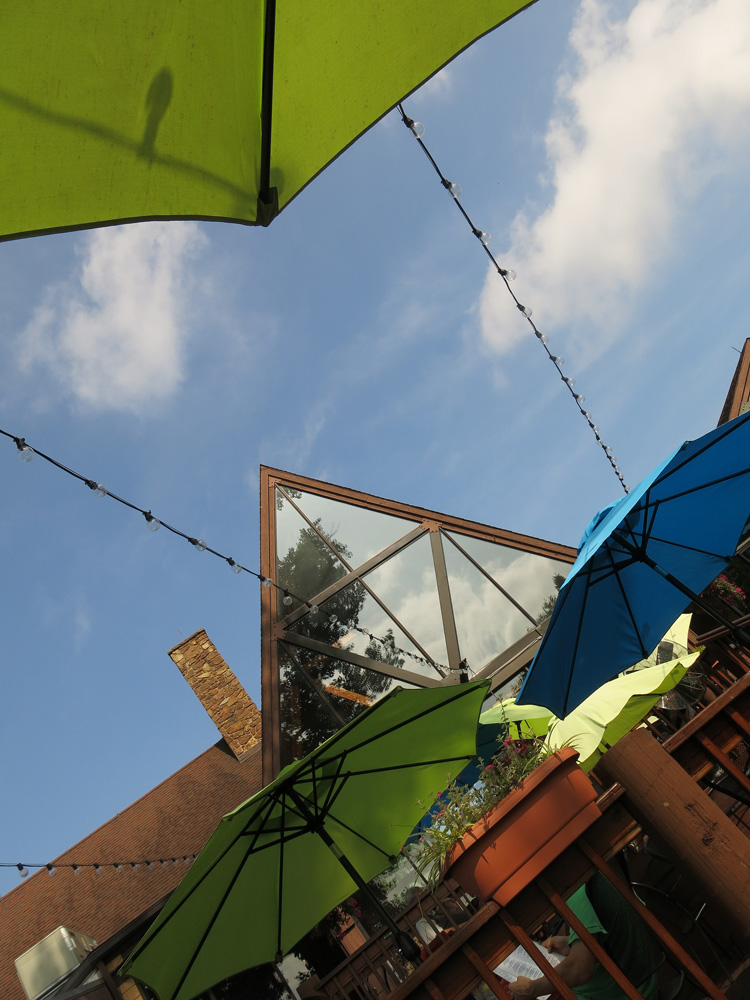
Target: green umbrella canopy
{"type": "Point", "coordinates": [116, 112]}
{"type": "Point", "coordinates": [268, 875]}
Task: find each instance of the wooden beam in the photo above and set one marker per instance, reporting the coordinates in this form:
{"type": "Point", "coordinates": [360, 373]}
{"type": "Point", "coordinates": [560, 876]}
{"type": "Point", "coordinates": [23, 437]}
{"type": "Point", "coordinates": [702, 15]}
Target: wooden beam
{"type": "Point", "coordinates": [706, 845]}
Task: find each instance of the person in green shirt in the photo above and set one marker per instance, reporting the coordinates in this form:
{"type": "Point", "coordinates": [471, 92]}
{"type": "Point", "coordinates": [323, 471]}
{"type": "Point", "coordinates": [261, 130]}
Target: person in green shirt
{"type": "Point", "coordinates": [606, 915]}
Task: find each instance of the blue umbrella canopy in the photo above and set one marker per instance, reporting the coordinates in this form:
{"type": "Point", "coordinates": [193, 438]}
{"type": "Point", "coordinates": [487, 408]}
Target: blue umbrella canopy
{"type": "Point", "coordinates": [641, 560]}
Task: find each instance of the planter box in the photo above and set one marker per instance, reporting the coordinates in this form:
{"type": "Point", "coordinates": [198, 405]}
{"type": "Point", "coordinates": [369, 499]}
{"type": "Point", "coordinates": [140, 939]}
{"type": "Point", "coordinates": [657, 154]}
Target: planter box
{"type": "Point", "coordinates": [501, 854]}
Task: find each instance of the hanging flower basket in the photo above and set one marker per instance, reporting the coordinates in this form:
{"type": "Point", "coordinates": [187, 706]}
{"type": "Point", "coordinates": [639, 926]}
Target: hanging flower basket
{"type": "Point", "coordinates": [501, 854]}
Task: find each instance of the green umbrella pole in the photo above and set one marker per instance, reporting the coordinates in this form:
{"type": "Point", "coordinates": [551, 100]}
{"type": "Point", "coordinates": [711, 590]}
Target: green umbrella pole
{"type": "Point", "coordinates": [406, 944]}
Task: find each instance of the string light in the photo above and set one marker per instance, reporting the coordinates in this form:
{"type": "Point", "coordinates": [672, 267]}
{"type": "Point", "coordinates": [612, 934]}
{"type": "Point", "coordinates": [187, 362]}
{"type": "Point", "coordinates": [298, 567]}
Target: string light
{"type": "Point", "coordinates": [417, 130]}
{"type": "Point", "coordinates": [153, 523]}
{"type": "Point", "coordinates": [25, 454]}
{"type": "Point", "coordinates": [200, 545]}
{"type": "Point", "coordinates": [97, 866]}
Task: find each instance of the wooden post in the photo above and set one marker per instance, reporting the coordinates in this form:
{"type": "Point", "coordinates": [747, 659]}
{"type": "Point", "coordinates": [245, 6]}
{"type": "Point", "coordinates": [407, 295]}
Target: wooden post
{"type": "Point", "coordinates": [706, 846]}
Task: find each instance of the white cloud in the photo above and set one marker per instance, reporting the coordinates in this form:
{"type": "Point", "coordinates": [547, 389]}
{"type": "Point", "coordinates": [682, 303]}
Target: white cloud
{"type": "Point", "coordinates": [114, 334]}
{"type": "Point", "coordinates": [439, 85]}
{"type": "Point", "coordinates": [656, 106]}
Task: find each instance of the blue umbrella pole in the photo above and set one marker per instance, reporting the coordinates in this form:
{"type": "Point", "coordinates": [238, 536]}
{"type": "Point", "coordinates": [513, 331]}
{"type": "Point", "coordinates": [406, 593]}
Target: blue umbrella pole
{"type": "Point", "coordinates": [740, 633]}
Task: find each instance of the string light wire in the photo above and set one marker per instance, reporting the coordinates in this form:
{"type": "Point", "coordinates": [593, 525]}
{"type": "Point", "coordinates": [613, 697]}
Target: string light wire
{"type": "Point", "coordinates": [98, 866]}
{"type": "Point", "coordinates": [508, 275]}
{"type": "Point", "coordinates": [26, 453]}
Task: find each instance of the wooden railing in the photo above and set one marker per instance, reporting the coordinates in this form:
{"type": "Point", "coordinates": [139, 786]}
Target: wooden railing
{"type": "Point", "coordinates": [698, 846]}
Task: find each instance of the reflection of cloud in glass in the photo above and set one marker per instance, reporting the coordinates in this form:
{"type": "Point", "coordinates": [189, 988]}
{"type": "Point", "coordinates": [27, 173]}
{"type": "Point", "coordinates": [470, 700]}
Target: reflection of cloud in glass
{"type": "Point", "coordinates": [373, 619]}
{"type": "Point", "coordinates": [364, 532]}
{"type": "Point", "coordinates": [486, 621]}
{"type": "Point", "coordinates": [406, 584]}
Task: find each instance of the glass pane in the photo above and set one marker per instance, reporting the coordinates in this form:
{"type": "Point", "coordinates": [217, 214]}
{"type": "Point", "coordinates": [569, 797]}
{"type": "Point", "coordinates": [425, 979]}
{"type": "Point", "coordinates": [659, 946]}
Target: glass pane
{"type": "Point", "coordinates": [486, 621]}
{"type": "Point", "coordinates": [320, 694]}
{"type": "Point", "coordinates": [533, 580]}
{"type": "Point", "coordinates": [362, 626]}
{"type": "Point", "coordinates": [305, 564]}
{"type": "Point", "coordinates": [406, 585]}
{"type": "Point", "coordinates": [357, 533]}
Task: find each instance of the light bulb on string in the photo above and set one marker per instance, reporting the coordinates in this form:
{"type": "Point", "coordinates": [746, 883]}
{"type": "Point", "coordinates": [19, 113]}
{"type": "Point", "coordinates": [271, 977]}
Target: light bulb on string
{"type": "Point", "coordinates": [98, 869]}
{"type": "Point", "coordinates": [417, 129]}
{"type": "Point", "coordinates": [76, 869]}
{"type": "Point", "coordinates": [524, 309]}
{"type": "Point", "coordinates": [152, 523]}
{"type": "Point", "coordinates": [267, 582]}
{"type": "Point", "coordinates": [22, 870]}
{"type": "Point", "coordinates": [313, 608]}
{"type": "Point", "coordinates": [51, 870]}
{"type": "Point", "coordinates": [508, 273]}
{"type": "Point", "coordinates": [117, 867]}
{"type": "Point", "coordinates": [455, 190]}
{"type": "Point", "coordinates": [542, 337]}
{"type": "Point", "coordinates": [25, 454]}
{"type": "Point", "coordinates": [570, 381]}
{"type": "Point", "coordinates": [287, 599]}
{"type": "Point", "coordinates": [558, 360]}
{"type": "Point", "coordinates": [579, 397]}
{"type": "Point", "coordinates": [234, 566]}
{"type": "Point", "coordinates": [198, 544]}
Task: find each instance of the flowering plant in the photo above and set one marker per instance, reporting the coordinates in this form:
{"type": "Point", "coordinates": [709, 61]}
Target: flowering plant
{"type": "Point", "coordinates": [725, 590]}
{"type": "Point", "coordinates": [462, 805]}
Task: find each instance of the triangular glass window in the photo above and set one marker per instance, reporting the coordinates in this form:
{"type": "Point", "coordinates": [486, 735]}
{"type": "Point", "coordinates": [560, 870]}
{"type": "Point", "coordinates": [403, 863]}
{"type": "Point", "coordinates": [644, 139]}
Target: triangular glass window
{"type": "Point", "coordinates": [406, 585]}
{"type": "Point", "coordinates": [356, 533]}
{"type": "Point", "coordinates": [306, 561]}
{"type": "Point", "coordinates": [532, 580]}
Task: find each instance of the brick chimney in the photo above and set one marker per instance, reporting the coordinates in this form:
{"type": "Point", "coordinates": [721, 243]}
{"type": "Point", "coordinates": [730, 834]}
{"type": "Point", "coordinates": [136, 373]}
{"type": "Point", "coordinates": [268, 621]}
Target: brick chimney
{"type": "Point", "coordinates": [231, 708]}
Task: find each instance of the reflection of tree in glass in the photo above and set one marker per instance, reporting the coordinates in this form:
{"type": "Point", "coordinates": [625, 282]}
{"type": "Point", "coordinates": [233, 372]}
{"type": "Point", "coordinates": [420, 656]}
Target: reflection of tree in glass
{"type": "Point", "coordinates": [310, 567]}
{"type": "Point", "coordinates": [310, 712]}
{"type": "Point", "coordinates": [290, 492]}
{"type": "Point", "coordinates": [385, 651]}
{"type": "Point", "coordinates": [549, 602]}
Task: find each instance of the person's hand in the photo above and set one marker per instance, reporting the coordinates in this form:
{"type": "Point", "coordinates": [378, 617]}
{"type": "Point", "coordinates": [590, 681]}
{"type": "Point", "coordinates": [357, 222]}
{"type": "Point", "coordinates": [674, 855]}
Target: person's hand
{"type": "Point", "coordinates": [557, 943]}
{"type": "Point", "coordinates": [521, 989]}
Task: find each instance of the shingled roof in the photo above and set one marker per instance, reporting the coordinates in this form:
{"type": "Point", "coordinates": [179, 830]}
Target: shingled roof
{"type": "Point", "coordinates": [173, 820]}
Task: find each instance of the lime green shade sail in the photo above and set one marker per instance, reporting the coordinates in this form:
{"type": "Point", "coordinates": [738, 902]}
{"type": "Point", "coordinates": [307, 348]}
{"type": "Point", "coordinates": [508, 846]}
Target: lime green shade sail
{"type": "Point", "coordinates": [603, 718]}
{"type": "Point", "coordinates": [115, 112]}
{"type": "Point", "coordinates": [267, 875]}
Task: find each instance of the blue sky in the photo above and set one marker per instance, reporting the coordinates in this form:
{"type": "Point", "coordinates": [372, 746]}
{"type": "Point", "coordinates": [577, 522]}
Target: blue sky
{"type": "Point", "coordinates": [361, 339]}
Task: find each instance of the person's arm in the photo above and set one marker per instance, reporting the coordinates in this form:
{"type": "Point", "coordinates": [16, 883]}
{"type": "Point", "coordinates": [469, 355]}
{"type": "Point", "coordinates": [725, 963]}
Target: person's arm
{"type": "Point", "coordinates": [575, 970]}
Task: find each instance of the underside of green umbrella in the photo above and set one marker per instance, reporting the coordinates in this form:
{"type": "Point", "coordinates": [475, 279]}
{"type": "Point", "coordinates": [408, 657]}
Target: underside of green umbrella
{"type": "Point", "coordinates": [273, 868]}
{"type": "Point", "coordinates": [116, 112]}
